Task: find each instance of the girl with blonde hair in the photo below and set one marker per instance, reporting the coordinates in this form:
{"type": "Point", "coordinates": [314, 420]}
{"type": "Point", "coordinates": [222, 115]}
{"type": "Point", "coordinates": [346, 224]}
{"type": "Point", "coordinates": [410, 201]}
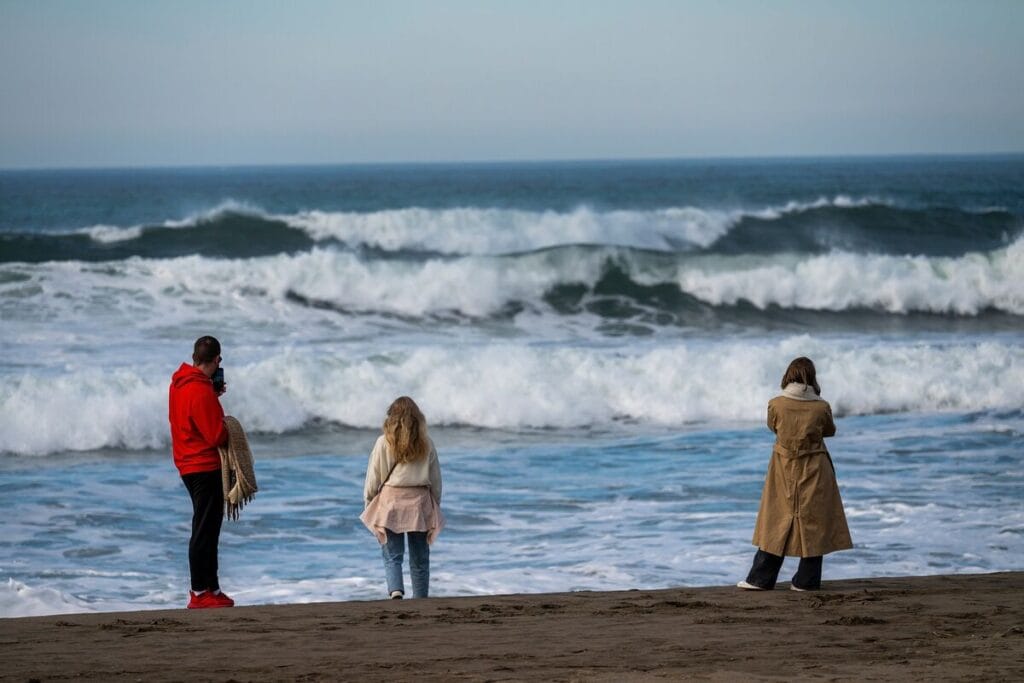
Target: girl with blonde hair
{"type": "Point", "coordinates": [801, 512]}
{"type": "Point", "coordinates": [402, 496]}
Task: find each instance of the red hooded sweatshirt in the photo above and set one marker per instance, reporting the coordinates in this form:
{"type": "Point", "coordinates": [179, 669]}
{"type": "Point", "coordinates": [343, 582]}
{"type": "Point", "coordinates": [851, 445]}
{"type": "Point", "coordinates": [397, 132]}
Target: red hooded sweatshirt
{"type": "Point", "coordinates": [197, 421]}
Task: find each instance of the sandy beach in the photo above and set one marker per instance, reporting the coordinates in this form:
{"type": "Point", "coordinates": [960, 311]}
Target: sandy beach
{"type": "Point", "coordinates": [965, 627]}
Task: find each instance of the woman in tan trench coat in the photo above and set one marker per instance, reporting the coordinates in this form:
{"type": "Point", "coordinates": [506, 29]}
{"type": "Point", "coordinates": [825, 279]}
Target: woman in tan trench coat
{"type": "Point", "coordinates": [801, 512]}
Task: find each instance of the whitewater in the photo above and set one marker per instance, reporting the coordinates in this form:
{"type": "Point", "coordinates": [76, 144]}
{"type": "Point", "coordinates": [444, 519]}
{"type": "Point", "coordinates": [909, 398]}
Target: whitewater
{"type": "Point", "coordinates": [593, 345]}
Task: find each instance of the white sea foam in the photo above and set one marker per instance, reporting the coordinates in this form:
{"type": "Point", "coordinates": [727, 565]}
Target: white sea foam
{"type": "Point", "coordinates": [840, 281]}
{"type": "Point", "coordinates": [570, 387]}
{"type": "Point", "coordinates": [224, 207]}
{"type": "Point", "coordinates": [20, 600]}
{"type": "Point", "coordinates": [475, 230]}
{"type": "Point", "coordinates": [258, 288]}
{"type": "Point", "coordinates": [513, 386]}
{"type": "Point", "coordinates": [839, 201]}
{"type": "Point", "coordinates": [108, 234]}
{"type": "Point", "coordinates": [925, 494]}
{"type": "Point", "coordinates": [502, 231]}
{"type": "Point", "coordinates": [158, 291]}
{"type": "Point", "coordinates": [83, 410]}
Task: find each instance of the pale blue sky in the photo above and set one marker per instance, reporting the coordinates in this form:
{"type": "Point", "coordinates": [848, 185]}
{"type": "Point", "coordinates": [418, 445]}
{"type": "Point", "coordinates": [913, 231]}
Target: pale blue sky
{"type": "Point", "coordinates": [106, 83]}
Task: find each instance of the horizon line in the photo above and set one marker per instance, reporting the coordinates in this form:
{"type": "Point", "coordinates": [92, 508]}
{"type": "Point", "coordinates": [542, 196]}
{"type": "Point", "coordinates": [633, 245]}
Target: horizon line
{"type": "Point", "coordinates": [515, 162]}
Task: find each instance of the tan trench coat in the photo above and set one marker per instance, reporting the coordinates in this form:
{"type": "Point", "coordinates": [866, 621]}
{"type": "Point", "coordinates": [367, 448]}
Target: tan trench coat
{"type": "Point", "coordinates": [801, 512]}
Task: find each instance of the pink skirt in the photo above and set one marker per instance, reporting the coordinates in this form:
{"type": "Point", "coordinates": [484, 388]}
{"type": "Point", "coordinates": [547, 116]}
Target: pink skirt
{"type": "Point", "coordinates": [401, 509]}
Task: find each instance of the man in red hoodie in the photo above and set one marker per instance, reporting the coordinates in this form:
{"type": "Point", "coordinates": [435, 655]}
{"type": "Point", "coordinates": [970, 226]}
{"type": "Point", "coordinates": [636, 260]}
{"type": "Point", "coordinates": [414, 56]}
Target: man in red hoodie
{"type": "Point", "coordinates": [197, 430]}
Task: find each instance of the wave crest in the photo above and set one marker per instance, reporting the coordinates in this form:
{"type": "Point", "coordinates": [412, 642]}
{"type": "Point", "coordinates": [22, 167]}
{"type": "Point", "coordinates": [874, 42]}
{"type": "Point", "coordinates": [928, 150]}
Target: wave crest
{"type": "Point", "coordinates": [536, 387]}
{"type": "Point", "coordinates": [557, 282]}
{"type": "Point", "coordinates": [486, 231]}
{"type": "Point", "coordinates": [480, 231]}
{"type": "Point", "coordinates": [233, 229]}
{"type": "Point", "coordinates": [842, 281]}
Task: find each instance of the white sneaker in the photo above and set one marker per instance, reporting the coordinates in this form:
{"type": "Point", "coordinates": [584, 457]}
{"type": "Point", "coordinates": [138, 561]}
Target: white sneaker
{"type": "Point", "coordinates": [748, 586]}
{"type": "Point", "coordinates": [397, 595]}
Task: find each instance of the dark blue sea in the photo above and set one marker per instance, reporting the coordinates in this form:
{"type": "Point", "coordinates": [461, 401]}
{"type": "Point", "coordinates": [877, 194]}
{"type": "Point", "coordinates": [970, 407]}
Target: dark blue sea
{"type": "Point", "coordinates": [593, 344]}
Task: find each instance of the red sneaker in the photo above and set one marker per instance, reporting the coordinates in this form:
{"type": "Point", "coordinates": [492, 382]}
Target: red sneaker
{"type": "Point", "coordinates": [207, 600]}
{"type": "Point", "coordinates": [223, 600]}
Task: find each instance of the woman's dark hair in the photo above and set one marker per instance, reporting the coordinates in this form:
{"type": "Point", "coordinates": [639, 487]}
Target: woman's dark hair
{"type": "Point", "coordinates": [801, 371]}
{"type": "Point", "coordinates": [206, 350]}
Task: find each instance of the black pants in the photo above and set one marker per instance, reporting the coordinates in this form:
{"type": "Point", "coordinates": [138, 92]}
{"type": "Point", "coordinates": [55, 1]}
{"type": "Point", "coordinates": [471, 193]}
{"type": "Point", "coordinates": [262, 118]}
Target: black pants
{"type": "Point", "coordinates": [207, 494]}
{"type": "Point", "coordinates": [765, 571]}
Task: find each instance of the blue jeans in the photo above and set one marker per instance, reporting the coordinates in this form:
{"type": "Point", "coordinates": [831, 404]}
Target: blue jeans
{"type": "Point", "coordinates": [419, 562]}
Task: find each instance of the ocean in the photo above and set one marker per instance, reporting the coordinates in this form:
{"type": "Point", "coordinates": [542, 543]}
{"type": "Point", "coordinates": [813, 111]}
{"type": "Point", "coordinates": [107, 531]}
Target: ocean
{"type": "Point", "coordinates": [593, 344]}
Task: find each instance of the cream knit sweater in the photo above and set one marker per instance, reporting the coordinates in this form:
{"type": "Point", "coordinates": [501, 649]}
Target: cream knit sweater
{"type": "Point", "coordinates": [423, 472]}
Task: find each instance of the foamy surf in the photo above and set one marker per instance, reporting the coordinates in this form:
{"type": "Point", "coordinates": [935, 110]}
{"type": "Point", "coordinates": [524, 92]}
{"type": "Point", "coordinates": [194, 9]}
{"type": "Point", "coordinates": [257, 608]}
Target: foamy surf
{"type": "Point", "coordinates": [593, 345]}
{"type": "Point", "coordinates": [484, 231]}
{"type": "Point", "coordinates": [20, 600]}
{"type": "Point", "coordinates": [658, 385]}
{"type": "Point", "coordinates": [472, 230]}
{"type": "Point", "coordinates": [480, 286]}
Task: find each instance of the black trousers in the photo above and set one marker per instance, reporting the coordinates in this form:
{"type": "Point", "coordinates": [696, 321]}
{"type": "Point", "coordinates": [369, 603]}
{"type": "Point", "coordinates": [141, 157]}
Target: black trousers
{"type": "Point", "coordinates": [207, 495]}
{"type": "Point", "coordinates": [765, 571]}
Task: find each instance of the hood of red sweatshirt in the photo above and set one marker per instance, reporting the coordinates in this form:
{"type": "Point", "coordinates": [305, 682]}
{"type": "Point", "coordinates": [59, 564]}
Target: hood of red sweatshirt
{"type": "Point", "coordinates": [186, 374]}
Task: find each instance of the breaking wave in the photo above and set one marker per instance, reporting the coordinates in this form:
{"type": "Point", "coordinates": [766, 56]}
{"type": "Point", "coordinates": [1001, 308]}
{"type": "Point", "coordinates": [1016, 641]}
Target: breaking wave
{"type": "Point", "coordinates": [238, 230]}
{"type": "Point", "coordinates": [536, 387]}
{"type": "Point", "coordinates": [561, 281]}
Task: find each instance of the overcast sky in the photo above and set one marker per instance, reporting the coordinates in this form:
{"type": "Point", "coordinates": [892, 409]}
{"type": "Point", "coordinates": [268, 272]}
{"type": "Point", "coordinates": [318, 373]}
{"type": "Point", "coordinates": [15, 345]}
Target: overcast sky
{"type": "Point", "coordinates": [107, 83]}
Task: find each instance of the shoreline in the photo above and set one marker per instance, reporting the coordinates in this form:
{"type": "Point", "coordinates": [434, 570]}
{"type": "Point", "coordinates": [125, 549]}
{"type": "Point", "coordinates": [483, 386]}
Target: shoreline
{"type": "Point", "coordinates": [946, 627]}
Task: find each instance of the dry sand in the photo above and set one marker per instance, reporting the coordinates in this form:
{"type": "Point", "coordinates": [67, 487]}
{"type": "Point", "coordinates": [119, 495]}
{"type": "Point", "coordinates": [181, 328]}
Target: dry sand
{"type": "Point", "coordinates": [967, 627]}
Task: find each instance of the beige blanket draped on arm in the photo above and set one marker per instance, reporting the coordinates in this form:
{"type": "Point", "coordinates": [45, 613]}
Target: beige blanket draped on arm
{"type": "Point", "coordinates": [236, 469]}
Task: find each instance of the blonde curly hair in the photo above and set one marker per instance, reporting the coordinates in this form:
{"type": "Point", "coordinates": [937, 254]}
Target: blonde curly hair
{"type": "Point", "coordinates": [405, 430]}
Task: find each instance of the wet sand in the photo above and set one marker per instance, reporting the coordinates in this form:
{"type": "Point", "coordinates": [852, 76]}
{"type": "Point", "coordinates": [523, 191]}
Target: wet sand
{"type": "Point", "coordinates": [964, 627]}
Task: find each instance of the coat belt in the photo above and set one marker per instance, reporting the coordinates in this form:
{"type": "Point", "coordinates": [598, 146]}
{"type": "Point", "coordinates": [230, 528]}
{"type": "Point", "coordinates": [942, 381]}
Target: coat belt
{"type": "Point", "coordinates": [799, 453]}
